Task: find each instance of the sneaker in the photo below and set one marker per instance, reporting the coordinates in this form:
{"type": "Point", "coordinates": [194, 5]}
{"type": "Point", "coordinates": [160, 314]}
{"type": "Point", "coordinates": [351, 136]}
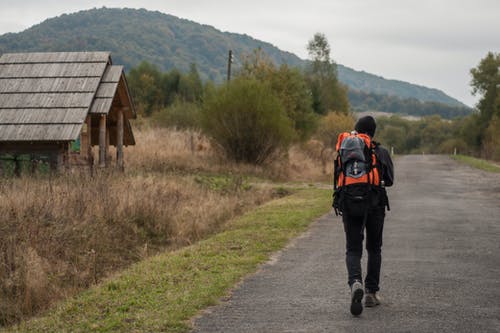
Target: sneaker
{"type": "Point", "coordinates": [371, 300]}
{"type": "Point", "coordinates": [356, 298]}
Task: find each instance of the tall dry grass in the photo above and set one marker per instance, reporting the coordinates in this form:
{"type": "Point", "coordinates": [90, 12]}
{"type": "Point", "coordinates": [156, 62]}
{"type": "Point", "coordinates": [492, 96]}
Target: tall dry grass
{"type": "Point", "coordinates": [60, 234]}
{"type": "Point", "coordinates": [190, 151]}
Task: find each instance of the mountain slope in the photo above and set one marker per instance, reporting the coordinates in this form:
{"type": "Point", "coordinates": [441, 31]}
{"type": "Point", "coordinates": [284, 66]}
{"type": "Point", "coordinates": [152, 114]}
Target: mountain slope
{"type": "Point", "coordinates": [363, 81]}
{"type": "Point", "coordinates": [135, 35]}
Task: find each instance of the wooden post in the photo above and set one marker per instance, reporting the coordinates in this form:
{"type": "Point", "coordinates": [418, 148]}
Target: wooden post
{"type": "Point", "coordinates": [119, 140]}
{"type": "Point", "coordinates": [102, 141]}
{"type": "Point", "coordinates": [90, 155]}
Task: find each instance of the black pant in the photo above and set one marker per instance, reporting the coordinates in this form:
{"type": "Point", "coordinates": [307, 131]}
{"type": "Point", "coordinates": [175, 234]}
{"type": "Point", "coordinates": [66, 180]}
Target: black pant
{"type": "Point", "coordinates": [354, 232]}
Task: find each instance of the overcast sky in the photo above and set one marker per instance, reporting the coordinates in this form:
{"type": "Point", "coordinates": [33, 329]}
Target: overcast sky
{"type": "Point", "coordinates": [428, 42]}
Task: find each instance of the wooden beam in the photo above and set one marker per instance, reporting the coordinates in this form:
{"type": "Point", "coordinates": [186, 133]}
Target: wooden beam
{"type": "Point", "coordinates": [119, 140]}
{"type": "Point", "coordinates": [102, 141]}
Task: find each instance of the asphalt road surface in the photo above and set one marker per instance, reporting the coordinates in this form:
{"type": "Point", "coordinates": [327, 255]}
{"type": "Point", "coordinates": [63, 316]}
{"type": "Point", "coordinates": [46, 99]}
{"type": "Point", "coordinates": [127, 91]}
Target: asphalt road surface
{"type": "Point", "coordinates": [440, 269]}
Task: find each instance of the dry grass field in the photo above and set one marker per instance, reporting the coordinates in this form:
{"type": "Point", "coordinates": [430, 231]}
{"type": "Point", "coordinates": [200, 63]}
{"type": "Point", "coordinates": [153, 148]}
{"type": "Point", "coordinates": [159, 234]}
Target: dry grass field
{"type": "Point", "coordinates": [61, 234]}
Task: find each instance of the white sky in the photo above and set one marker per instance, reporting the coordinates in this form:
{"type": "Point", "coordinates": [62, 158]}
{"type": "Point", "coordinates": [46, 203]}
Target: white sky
{"type": "Point", "coordinates": [428, 42]}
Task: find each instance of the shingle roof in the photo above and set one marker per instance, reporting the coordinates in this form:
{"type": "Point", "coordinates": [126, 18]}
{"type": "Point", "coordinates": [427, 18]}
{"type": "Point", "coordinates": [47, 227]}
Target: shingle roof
{"type": "Point", "coordinates": [47, 96]}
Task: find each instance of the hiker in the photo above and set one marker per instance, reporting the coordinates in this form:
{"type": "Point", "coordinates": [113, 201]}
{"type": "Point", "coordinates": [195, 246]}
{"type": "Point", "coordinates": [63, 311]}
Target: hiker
{"type": "Point", "coordinates": [363, 169]}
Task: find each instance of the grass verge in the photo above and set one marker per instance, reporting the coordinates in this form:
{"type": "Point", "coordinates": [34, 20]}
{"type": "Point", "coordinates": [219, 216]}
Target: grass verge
{"type": "Point", "coordinates": [477, 163]}
{"type": "Point", "coordinates": [162, 293]}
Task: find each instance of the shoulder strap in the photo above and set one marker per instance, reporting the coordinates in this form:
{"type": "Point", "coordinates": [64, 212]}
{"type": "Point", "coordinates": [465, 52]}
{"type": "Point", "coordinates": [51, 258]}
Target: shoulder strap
{"type": "Point", "coordinates": [336, 172]}
{"type": "Point", "coordinates": [341, 138]}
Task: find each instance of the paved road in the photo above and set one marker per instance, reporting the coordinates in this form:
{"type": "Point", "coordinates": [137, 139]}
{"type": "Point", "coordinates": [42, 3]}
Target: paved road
{"type": "Point", "coordinates": [440, 270]}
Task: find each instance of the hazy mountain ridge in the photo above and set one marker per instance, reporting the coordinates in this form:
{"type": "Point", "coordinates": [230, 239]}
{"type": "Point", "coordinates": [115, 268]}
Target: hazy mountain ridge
{"type": "Point", "coordinates": [134, 35]}
{"type": "Point", "coordinates": [361, 80]}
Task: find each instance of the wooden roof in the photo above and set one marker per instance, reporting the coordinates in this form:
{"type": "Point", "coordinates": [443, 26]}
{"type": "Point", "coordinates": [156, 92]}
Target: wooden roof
{"type": "Point", "coordinates": [47, 96]}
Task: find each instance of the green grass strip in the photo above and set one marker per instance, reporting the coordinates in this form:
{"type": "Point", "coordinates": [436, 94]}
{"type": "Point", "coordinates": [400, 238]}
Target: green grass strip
{"type": "Point", "coordinates": [477, 163]}
{"type": "Point", "coordinates": [162, 293]}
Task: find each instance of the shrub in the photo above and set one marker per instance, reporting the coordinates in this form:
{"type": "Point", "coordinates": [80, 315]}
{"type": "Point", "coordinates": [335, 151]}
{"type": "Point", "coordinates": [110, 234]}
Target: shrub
{"type": "Point", "coordinates": [247, 121]}
{"type": "Point", "coordinates": [181, 115]}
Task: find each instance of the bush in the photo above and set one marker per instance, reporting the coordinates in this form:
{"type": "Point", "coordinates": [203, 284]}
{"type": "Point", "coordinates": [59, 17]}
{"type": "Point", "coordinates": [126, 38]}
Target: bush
{"type": "Point", "coordinates": [450, 145]}
{"type": "Point", "coordinates": [181, 115]}
{"type": "Point", "coordinates": [247, 121]}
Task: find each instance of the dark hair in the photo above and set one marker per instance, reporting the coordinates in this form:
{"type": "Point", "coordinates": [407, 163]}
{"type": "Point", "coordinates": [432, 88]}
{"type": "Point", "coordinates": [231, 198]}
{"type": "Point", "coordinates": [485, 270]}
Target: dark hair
{"type": "Point", "coordinates": [366, 125]}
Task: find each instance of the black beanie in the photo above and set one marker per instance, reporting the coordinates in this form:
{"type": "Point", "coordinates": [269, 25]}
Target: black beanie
{"type": "Point", "coordinates": [366, 125]}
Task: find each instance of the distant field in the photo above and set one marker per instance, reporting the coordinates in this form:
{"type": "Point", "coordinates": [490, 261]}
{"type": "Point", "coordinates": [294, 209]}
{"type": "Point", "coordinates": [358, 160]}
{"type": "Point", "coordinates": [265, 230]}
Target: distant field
{"type": "Point", "coordinates": [383, 114]}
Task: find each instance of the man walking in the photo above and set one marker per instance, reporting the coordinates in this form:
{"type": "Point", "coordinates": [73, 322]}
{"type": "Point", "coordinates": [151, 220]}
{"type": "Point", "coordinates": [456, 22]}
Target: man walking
{"type": "Point", "coordinates": [380, 175]}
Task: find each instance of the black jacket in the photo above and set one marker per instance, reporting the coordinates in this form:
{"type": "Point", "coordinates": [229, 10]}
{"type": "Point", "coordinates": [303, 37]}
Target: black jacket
{"type": "Point", "coordinates": [385, 162]}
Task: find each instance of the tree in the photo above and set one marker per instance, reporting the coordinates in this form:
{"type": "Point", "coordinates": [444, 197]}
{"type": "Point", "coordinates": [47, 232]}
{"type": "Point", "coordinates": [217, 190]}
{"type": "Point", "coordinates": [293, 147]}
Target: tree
{"type": "Point", "coordinates": [289, 84]}
{"type": "Point", "coordinates": [247, 121]}
{"type": "Point", "coordinates": [190, 86]}
{"type": "Point", "coordinates": [154, 90]}
{"type": "Point", "coordinates": [486, 81]}
{"type": "Point", "coordinates": [327, 92]}
{"type": "Point", "coordinates": [170, 86]}
{"type": "Point", "coordinates": [145, 86]}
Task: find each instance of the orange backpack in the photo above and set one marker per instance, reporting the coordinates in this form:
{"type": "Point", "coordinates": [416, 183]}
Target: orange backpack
{"type": "Point", "coordinates": [356, 172]}
{"type": "Point", "coordinates": [356, 160]}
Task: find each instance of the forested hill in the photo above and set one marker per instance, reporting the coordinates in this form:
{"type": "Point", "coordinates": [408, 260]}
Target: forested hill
{"type": "Point", "coordinates": [135, 35]}
{"type": "Point", "coordinates": [366, 82]}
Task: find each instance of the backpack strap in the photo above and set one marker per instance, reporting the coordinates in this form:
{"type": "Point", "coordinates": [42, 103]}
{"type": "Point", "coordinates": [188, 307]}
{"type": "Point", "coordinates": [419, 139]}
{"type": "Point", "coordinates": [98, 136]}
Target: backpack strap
{"type": "Point", "coordinates": [336, 172]}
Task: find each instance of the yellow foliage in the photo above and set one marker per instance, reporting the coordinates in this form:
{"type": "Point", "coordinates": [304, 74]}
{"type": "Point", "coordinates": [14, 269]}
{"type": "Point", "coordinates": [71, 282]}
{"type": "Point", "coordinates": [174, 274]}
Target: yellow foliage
{"type": "Point", "coordinates": [331, 126]}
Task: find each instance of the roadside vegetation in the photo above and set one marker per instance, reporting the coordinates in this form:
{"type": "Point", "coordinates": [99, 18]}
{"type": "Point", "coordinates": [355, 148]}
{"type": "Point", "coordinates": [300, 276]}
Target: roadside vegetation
{"type": "Point", "coordinates": [162, 293]}
{"type": "Point", "coordinates": [478, 163]}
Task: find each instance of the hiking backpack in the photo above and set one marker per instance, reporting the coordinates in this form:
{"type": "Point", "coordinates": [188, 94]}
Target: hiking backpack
{"type": "Point", "coordinates": [356, 174]}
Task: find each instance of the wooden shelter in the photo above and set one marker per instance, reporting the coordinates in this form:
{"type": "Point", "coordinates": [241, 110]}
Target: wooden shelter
{"type": "Point", "coordinates": [57, 106]}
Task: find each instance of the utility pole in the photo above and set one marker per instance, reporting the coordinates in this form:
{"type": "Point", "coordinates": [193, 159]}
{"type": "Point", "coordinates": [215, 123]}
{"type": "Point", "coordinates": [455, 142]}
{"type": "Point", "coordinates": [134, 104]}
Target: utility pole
{"type": "Point", "coordinates": [229, 62]}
